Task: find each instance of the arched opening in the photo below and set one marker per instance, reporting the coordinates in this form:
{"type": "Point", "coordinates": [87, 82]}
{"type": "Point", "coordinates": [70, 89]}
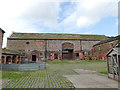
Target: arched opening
{"type": "Point", "coordinates": [67, 51]}
{"type": "Point", "coordinates": [34, 55]}
{"type": "Point", "coordinates": [3, 60]}
{"type": "Point", "coordinates": [8, 60]}
{"type": "Point", "coordinates": [55, 56]}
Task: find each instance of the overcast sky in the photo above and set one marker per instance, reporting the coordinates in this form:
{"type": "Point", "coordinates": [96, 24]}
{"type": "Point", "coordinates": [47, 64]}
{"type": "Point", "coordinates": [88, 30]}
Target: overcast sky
{"type": "Point", "coordinates": [56, 16]}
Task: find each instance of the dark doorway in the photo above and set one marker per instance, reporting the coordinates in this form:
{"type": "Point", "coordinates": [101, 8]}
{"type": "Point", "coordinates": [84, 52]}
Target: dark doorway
{"type": "Point", "coordinates": [77, 54]}
{"type": "Point", "coordinates": [8, 58]}
{"type": "Point", "coordinates": [33, 57]}
{"type": "Point", "coordinates": [67, 51]}
{"type": "Point", "coordinates": [55, 56]}
{"type": "Point", "coordinates": [67, 54]}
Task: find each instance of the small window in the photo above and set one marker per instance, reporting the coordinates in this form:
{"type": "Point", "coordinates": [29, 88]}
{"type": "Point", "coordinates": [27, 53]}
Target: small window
{"type": "Point", "coordinates": [77, 54]}
{"type": "Point", "coordinates": [41, 54]}
{"type": "Point", "coordinates": [99, 48]}
{"type": "Point", "coordinates": [88, 53]}
{"type": "Point", "coordinates": [27, 42]}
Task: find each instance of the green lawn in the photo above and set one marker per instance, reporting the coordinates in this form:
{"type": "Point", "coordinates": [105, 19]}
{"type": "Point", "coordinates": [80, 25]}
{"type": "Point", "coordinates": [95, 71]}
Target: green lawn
{"type": "Point", "coordinates": [52, 76]}
{"type": "Point", "coordinates": [66, 67]}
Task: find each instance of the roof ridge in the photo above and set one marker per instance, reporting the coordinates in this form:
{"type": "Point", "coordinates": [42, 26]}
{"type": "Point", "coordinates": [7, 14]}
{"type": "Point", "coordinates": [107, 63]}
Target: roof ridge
{"type": "Point", "coordinates": [55, 33]}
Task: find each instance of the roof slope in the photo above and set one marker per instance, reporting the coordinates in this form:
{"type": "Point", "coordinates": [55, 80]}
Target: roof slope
{"type": "Point", "coordinates": [108, 40]}
{"type": "Point", "coordinates": [2, 30]}
{"type": "Point", "coordinates": [116, 49]}
{"type": "Point", "coordinates": [10, 52]}
{"type": "Point", "coordinates": [56, 36]}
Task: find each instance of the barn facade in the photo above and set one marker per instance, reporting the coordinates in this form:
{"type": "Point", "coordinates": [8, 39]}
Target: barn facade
{"type": "Point", "coordinates": [52, 46]}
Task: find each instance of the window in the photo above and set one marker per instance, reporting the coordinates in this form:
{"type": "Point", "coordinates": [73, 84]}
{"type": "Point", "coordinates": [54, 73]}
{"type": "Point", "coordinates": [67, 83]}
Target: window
{"type": "Point", "coordinates": [27, 42]}
{"type": "Point", "coordinates": [77, 54]}
{"type": "Point", "coordinates": [41, 53]}
{"type": "Point", "coordinates": [99, 48]}
{"type": "Point", "coordinates": [88, 53]}
{"type": "Point", "coordinates": [41, 43]}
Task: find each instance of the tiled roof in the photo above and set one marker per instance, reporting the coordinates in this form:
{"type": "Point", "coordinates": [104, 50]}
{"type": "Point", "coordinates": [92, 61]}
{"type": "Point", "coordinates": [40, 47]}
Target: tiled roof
{"type": "Point", "coordinates": [56, 36]}
{"type": "Point", "coordinates": [108, 40]}
{"type": "Point", "coordinates": [10, 52]}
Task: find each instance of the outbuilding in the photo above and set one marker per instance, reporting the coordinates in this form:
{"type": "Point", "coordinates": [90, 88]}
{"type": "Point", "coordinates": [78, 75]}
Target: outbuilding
{"type": "Point", "coordinates": [113, 63]}
{"type": "Point", "coordinates": [11, 57]}
{"type": "Point", "coordinates": [1, 41]}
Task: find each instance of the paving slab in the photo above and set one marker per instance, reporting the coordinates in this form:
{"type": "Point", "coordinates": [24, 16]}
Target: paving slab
{"type": "Point", "coordinates": [91, 79]}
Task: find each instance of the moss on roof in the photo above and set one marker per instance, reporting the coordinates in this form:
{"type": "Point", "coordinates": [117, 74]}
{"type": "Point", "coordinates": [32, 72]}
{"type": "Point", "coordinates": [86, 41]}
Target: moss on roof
{"type": "Point", "coordinates": [56, 36]}
{"type": "Point", "coordinates": [10, 52]}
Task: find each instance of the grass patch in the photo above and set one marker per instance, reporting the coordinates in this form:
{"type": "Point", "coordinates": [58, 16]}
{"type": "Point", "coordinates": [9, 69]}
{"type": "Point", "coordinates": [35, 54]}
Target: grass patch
{"type": "Point", "coordinates": [66, 67]}
{"type": "Point", "coordinates": [15, 74]}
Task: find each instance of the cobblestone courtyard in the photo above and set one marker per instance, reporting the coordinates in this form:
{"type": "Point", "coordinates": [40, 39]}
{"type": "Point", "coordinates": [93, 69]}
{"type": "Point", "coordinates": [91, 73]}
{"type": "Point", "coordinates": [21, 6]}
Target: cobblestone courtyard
{"type": "Point", "coordinates": [40, 80]}
{"type": "Point", "coordinates": [54, 76]}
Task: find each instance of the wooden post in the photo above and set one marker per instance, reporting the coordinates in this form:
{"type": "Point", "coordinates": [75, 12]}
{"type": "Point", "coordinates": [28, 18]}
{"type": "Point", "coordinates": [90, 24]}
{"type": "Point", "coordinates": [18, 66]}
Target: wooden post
{"type": "Point", "coordinates": [108, 65]}
{"type": "Point", "coordinates": [19, 60]}
{"type": "Point", "coordinates": [118, 58]}
{"type": "Point", "coordinates": [113, 66]}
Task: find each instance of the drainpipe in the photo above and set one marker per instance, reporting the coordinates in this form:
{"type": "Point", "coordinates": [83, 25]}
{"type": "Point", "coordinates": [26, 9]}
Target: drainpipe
{"type": "Point", "coordinates": [80, 45]}
{"type": "Point", "coordinates": [45, 52]}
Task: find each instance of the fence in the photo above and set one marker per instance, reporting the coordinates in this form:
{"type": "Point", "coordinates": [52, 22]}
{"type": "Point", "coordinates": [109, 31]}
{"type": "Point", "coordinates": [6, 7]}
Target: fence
{"type": "Point", "coordinates": [24, 67]}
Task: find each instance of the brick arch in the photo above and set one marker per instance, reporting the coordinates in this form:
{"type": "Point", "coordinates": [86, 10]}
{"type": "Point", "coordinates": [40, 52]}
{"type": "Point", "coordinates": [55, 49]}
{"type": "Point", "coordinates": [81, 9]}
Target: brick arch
{"type": "Point", "coordinates": [34, 55]}
{"type": "Point", "coordinates": [34, 52]}
{"type": "Point", "coordinates": [8, 59]}
{"type": "Point", "coordinates": [3, 60]}
{"type": "Point", "coordinates": [67, 45]}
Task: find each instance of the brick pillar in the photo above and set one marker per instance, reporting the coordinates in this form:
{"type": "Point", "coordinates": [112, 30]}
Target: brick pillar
{"type": "Point", "coordinates": [19, 60]}
{"type": "Point", "coordinates": [73, 56]}
{"type": "Point", "coordinates": [4, 60]}
{"type": "Point", "coordinates": [16, 59]}
{"type": "Point", "coordinates": [11, 59]}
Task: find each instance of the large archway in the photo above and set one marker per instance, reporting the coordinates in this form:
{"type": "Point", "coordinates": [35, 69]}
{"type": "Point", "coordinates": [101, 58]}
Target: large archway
{"type": "Point", "coordinates": [67, 51]}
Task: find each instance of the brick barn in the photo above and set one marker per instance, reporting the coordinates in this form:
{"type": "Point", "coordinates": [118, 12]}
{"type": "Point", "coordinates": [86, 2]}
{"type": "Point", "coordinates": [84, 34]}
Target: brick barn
{"type": "Point", "coordinates": [53, 46]}
{"type": "Point", "coordinates": [101, 49]}
{"type": "Point", "coordinates": [1, 41]}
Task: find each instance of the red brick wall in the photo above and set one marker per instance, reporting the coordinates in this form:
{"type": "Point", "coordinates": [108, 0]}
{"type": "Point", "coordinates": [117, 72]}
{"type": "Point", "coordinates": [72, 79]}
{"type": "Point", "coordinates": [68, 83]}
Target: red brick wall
{"type": "Point", "coordinates": [101, 50]}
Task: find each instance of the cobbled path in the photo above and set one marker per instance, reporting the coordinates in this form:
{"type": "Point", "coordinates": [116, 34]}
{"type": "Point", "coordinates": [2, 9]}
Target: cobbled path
{"type": "Point", "coordinates": [40, 80]}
